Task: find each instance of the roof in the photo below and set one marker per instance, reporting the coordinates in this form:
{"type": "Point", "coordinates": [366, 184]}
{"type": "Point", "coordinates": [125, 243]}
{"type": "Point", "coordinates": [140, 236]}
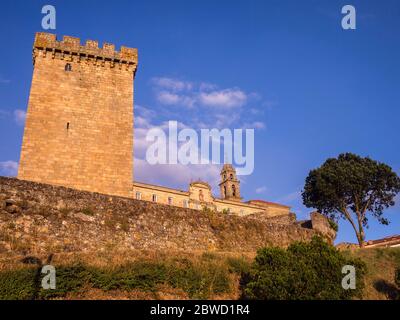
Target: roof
{"type": "Point", "coordinates": [157, 187]}
{"type": "Point", "coordinates": [203, 183]}
{"type": "Point", "coordinates": [387, 241]}
{"type": "Point", "coordinates": [262, 202]}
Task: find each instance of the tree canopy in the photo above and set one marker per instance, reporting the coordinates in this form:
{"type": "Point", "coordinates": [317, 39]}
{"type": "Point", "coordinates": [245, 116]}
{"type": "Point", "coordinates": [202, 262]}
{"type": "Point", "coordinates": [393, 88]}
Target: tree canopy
{"type": "Point", "coordinates": [352, 185]}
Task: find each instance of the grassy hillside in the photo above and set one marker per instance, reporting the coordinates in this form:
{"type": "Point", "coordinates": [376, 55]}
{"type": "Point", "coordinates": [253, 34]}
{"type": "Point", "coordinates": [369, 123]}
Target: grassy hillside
{"type": "Point", "coordinates": [161, 275]}
{"type": "Point", "coordinates": [381, 267]}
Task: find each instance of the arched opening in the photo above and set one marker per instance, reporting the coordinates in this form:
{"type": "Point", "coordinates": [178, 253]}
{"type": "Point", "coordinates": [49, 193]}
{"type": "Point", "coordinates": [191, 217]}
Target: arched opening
{"type": "Point", "coordinates": [233, 190]}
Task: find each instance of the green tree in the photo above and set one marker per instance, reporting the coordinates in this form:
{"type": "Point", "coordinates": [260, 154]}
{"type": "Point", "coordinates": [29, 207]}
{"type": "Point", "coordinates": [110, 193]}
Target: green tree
{"type": "Point", "coordinates": [303, 271]}
{"type": "Point", "coordinates": [350, 187]}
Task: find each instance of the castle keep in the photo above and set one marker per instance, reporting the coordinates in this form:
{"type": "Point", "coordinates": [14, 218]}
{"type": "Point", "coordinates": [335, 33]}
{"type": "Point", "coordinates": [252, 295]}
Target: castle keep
{"type": "Point", "coordinates": [79, 124]}
{"type": "Point", "coordinates": [79, 130]}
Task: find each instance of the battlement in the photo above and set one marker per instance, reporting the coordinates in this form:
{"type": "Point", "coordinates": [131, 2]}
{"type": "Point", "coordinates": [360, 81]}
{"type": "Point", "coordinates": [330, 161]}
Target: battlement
{"type": "Point", "coordinates": [71, 46]}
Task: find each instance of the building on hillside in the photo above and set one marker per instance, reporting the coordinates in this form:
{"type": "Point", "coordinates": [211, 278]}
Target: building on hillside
{"type": "Point", "coordinates": [199, 196]}
{"type": "Point", "coordinates": [391, 241]}
{"type": "Point", "coordinates": [79, 129]}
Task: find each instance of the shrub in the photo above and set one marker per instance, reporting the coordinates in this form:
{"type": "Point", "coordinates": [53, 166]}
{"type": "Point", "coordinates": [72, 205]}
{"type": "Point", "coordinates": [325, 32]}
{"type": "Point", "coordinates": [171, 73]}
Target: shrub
{"type": "Point", "coordinates": [303, 271]}
{"type": "Point", "coordinates": [69, 279]}
{"type": "Point", "coordinates": [17, 284]}
{"type": "Point", "coordinates": [199, 280]}
{"type": "Point", "coordinates": [138, 275]}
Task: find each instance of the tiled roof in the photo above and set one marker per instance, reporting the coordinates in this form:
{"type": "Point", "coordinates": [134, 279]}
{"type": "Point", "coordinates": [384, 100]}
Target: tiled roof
{"type": "Point", "coordinates": [387, 241]}
{"type": "Point", "coordinates": [268, 203]}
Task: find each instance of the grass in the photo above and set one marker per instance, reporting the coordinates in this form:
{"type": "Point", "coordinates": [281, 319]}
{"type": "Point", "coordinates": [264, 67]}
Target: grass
{"type": "Point", "coordinates": [200, 278]}
{"type": "Point", "coordinates": [164, 275]}
{"type": "Point", "coordinates": [381, 268]}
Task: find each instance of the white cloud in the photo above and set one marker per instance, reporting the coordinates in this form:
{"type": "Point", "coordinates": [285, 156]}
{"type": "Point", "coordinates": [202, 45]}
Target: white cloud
{"type": "Point", "coordinates": [254, 125]}
{"type": "Point", "coordinates": [19, 116]}
{"type": "Point", "coordinates": [171, 98]}
{"type": "Point", "coordinates": [176, 92]}
{"type": "Point", "coordinates": [259, 125]}
{"type": "Point", "coordinates": [227, 98]}
{"type": "Point", "coordinates": [224, 121]}
{"type": "Point", "coordinates": [205, 86]}
{"type": "Point", "coordinates": [141, 122]}
{"type": "Point", "coordinates": [9, 168]}
{"type": "Point", "coordinates": [4, 81]}
{"type": "Point", "coordinates": [175, 175]}
{"type": "Point", "coordinates": [165, 174]}
{"type": "Point", "coordinates": [168, 98]}
{"type": "Point", "coordinates": [145, 112]}
{"type": "Point", "coordinates": [172, 84]}
{"type": "Point", "coordinates": [261, 190]}
{"type": "Point", "coordinates": [291, 197]}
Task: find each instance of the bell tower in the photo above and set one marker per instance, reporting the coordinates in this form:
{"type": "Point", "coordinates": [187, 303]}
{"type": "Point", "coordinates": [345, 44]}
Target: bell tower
{"type": "Point", "coordinates": [229, 185]}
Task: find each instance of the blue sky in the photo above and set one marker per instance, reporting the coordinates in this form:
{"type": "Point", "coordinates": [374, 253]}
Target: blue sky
{"type": "Point", "coordinates": [286, 68]}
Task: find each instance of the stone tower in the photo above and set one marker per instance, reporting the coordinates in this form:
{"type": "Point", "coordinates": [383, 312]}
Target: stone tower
{"type": "Point", "coordinates": [79, 123]}
{"type": "Point", "coordinates": [229, 185]}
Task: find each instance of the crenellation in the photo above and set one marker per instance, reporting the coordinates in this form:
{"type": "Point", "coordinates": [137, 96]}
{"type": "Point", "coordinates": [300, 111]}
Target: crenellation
{"type": "Point", "coordinates": [109, 48]}
{"type": "Point", "coordinates": [71, 46]}
{"type": "Point", "coordinates": [71, 43]}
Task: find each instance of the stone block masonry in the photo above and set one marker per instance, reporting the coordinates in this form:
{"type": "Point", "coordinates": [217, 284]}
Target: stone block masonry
{"type": "Point", "coordinates": [79, 124]}
{"type": "Point", "coordinates": [40, 218]}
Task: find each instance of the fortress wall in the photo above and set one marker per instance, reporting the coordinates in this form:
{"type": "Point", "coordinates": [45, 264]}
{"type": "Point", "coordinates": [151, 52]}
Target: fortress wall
{"type": "Point", "coordinates": [36, 217]}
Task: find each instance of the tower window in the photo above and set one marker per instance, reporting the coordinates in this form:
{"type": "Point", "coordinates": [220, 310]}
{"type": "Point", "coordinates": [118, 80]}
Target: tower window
{"type": "Point", "coordinates": [231, 176]}
{"type": "Point", "coordinates": [67, 125]}
{"type": "Point", "coordinates": [138, 195]}
{"type": "Point", "coordinates": [68, 67]}
{"type": "Point", "coordinates": [154, 198]}
{"type": "Point", "coordinates": [233, 190]}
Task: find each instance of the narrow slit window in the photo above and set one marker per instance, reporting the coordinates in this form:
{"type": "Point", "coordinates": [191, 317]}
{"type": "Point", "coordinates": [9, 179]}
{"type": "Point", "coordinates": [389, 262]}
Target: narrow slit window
{"type": "Point", "coordinates": [68, 67]}
{"type": "Point", "coordinates": [67, 125]}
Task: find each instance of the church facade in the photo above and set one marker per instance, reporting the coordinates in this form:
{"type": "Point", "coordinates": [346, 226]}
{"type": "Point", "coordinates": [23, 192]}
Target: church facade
{"type": "Point", "coordinates": [199, 197]}
{"type": "Point", "coordinates": [79, 130]}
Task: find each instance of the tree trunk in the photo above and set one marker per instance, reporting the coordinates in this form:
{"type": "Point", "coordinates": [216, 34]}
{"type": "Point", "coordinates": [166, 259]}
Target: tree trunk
{"type": "Point", "coordinates": [360, 240]}
{"type": "Point", "coordinates": [360, 233]}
